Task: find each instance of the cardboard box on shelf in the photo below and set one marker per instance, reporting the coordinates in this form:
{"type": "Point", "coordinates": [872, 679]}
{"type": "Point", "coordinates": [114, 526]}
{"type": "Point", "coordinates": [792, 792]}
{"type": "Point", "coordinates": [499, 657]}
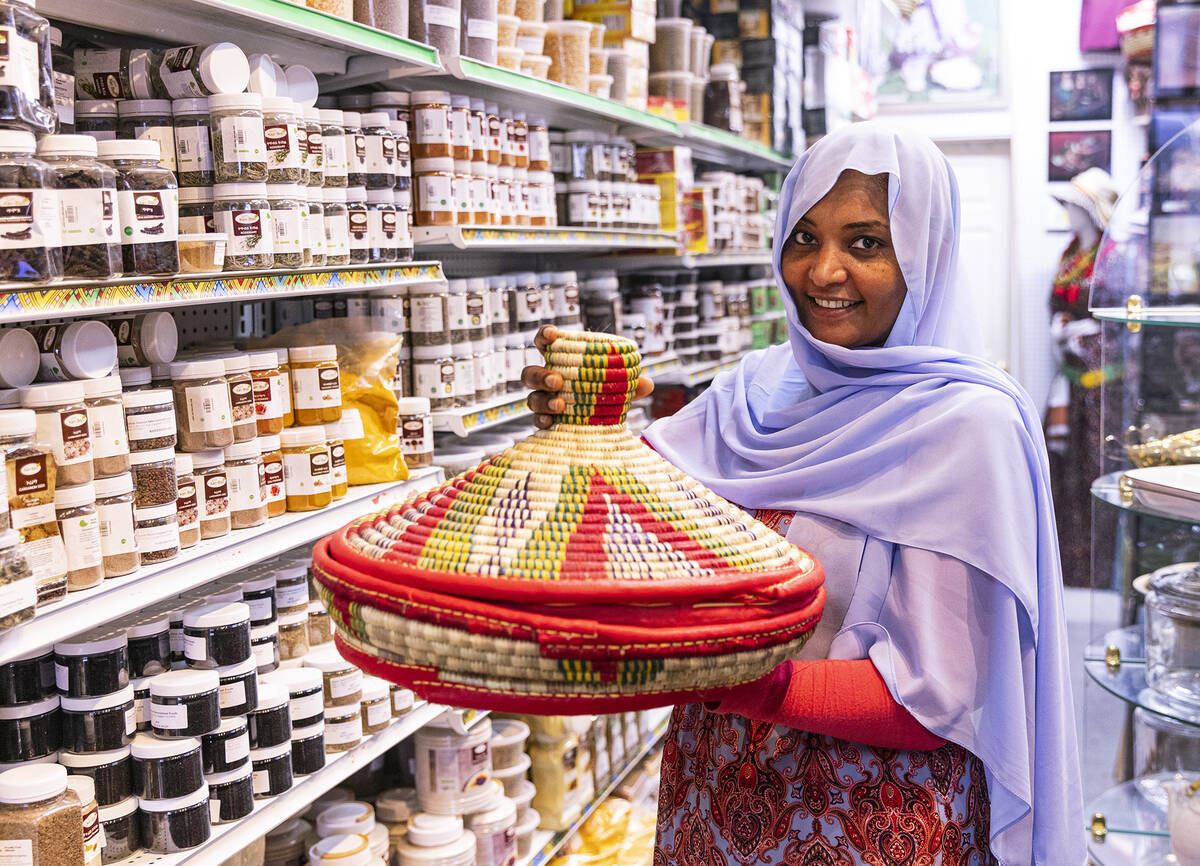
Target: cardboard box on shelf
{"type": "Point", "coordinates": [622, 19]}
{"type": "Point", "coordinates": [727, 51]}
{"type": "Point", "coordinates": [698, 219]}
{"type": "Point", "coordinates": [637, 49]}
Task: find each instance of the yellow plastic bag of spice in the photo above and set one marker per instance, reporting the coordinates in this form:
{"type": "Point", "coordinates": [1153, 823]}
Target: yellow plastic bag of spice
{"type": "Point", "coordinates": [367, 362]}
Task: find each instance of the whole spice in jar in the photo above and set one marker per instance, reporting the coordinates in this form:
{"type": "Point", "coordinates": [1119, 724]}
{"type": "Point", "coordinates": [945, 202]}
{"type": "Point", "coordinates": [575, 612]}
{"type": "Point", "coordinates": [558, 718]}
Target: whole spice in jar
{"type": "Point", "coordinates": [272, 769]}
{"type": "Point", "coordinates": [96, 118]}
{"type": "Point", "coordinates": [110, 771]}
{"type": "Point", "coordinates": [235, 121]}
{"type": "Point", "coordinates": [356, 149]}
{"type": "Point", "coordinates": [144, 339]}
{"type": "Point", "coordinates": [291, 590]}
{"type": "Point", "coordinates": [436, 23]}
{"type": "Point", "coordinates": [157, 533]}
{"type": "Point", "coordinates": [62, 422]}
{"type": "Point", "coordinates": [239, 688]}
{"type": "Point", "coordinates": [114, 510]}
{"type": "Point", "coordinates": [227, 748]}
{"type": "Point", "coordinates": [121, 833]}
{"type": "Point", "coordinates": [18, 588]}
{"type": "Point", "coordinates": [333, 144]}
{"type": "Point", "coordinates": [241, 396]}
{"type": "Point", "coordinates": [281, 132]}
{"type": "Point", "coordinates": [30, 248]}
{"type": "Point", "coordinates": [75, 350]}
{"type": "Point", "coordinates": [376, 705]}
{"type": "Point", "coordinates": [187, 502]}
{"type": "Point", "coordinates": [433, 375]}
{"type": "Point", "coordinates": [148, 208]}
{"type": "Point", "coordinates": [106, 417]}
{"type": "Point", "coordinates": [149, 419]}
{"type": "Point", "coordinates": [403, 164]}
{"type": "Point", "coordinates": [196, 210]}
{"type": "Point", "coordinates": [381, 151]}
{"type": "Point", "coordinates": [99, 724]}
{"type": "Point", "coordinates": [314, 229]}
{"type": "Point", "coordinates": [79, 526]}
{"type": "Point", "coordinates": [243, 212]}
{"type": "Point", "coordinates": [343, 727]}
{"type": "Point", "coordinates": [320, 626]}
{"type": "Point", "coordinates": [314, 146]}
{"type": "Point", "coordinates": [40, 815]}
{"type": "Point", "coordinates": [87, 199]}
{"type": "Point", "coordinates": [149, 647]}
{"type": "Point", "coordinates": [337, 227]}
{"type": "Point", "coordinates": [185, 703]}
{"type": "Point", "coordinates": [202, 408]}
{"type": "Point", "coordinates": [231, 794]}
{"type": "Point", "coordinates": [289, 213]}
{"type": "Point", "coordinates": [153, 477]}
{"type": "Point", "coordinates": [199, 70]}
{"type": "Point", "coordinates": [193, 142]}
{"type": "Point", "coordinates": [149, 120]}
{"type": "Point", "coordinates": [306, 468]}
{"type": "Point", "coordinates": [293, 636]}
{"type": "Point", "coordinates": [31, 473]}
{"type": "Point", "coordinates": [316, 384]}
{"type": "Point", "coordinates": [358, 225]}
{"type": "Point", "coordinates": [383, 229]}
{"type": "Point", "coordinates": [29, 732]}
{"type": "Point", "coordinates": [270, 722]}
{"type": "Point", "coordinates": [264, 643]}
{"type": "Point", "coordinates": [212, 493]}
{"type": "Point", "coordinates": [92, 664]}
{"type": "Point", "coordinates": [342, 680]}
{"type": "Point", "coordinates": [166, 768]}
{"type": "Point", "coordinates": [273, 481]}
{"type": "Point", "coordinates": [247, 499]}
{"type": "Point", "coordinates": [171, 826]}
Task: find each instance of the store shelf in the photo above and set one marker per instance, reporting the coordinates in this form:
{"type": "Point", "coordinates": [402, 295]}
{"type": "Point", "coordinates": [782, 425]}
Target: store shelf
{"type": "Point", "coordinates": [463, 422]}
{"type": "Point", "coordinates": [566, 239]}
{"type": "Point", "coordinates": [1108, 489]}
{"type": "Point", "coordinates": [1120, 849]}
{"type": "Point", "coordinates": [199, 565]}
{"type": "Point", "coordinates": [660, 365]}
{"type": "Point", "coordinates": [773, 316]}
{"type": "Point", "coordinates": [228, 839]}
{"type": "Point", "coordinates": [546, 845]}
{"type": "Point", "coordinates": [21, 304]}
{"type": "Point", "coordinates": [1134, 808]}
{"type": "Point", "coordinates": [1129, 641]}
{"type": "Point", "coordinates": [692, 375]}
{"type": "Point", "coordinates": [1128, 682]}
{"type": "Point", "coordinates": [688, 261]}
{"type": "Point", "coordinates": [1184, 316]}
{"type": "Point", "coordinates": [289, 32]}
{"type": "Point", "coordinates": [717, 145]}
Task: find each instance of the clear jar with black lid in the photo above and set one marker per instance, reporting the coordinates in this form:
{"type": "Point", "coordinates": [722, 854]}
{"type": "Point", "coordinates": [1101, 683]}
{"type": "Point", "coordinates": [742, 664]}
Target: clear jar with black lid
{"type": "Point", "coordinates": [171, 826]}
{"type": "Point", "coordinates": [270, 722]}
{"type": "Point", "coordinates": [148, 207]}
{"type": "Point", "coordinates": [87, 197]}
{"type": "Point", "coordinates": [226, 748]}
{"type": "Point", "coordinates": [165, 769]}
{"type": "Point", "coordinates": [243, 212]}
{"type": "Point", "coordinates": [92, 664]}
{"type": "Point", "coordinates": [383, 228]}
{"type": "Point", "coordinates": [149, 120]}
{"type": "Point", "coordinates": [239, 688]}
{"type": "Point", "coordinates": [29, 678]}
{"type": "Point", "coordinates": [235, 121]}
{"type": "Point", "coordinates": [333, 146]}
{"type": "Point", "coordinates": [193, 142]}
{"type": "Point", "coordinates": [356, 149]}
{"type": "Point", "coordinates": [308, 749]}
{"type": "Point", "coordinates": [149, 647]}
{"type": "Point", "coordinates": [98, 724]}
{"type": "Point", "coordinates": [358, 225]}
{"type": "Point", "coordinates": [217, 635]}
{"type": "Point", "coordinates": [30, 731]}
{"type": "Point", "coordinates": [231, 794]}
{"type": "Point", "coordinates": [272, 770]}
{"type": "Point", "coordinates": [280, 131]}
{"type": "Point", "coordinates": [111, 771]}
{"type": "Point", "coordinates": [30, 249]}
{"type": "Point", "coordinates": [185, 703]}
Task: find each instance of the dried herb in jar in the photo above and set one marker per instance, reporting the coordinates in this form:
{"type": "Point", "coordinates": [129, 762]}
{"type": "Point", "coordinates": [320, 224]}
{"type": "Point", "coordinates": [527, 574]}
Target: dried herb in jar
{"type": "Point", "coordinates": [30, 237]}
{"type": "Point", "coordinates": [148, 206]}
{"type": "Point", "coordinates": [87, 197]}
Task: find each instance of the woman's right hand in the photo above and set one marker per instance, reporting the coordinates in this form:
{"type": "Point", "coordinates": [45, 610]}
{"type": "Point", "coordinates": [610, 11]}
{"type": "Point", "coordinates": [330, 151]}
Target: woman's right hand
{"type": "Point", "coordinates": [545, 384]}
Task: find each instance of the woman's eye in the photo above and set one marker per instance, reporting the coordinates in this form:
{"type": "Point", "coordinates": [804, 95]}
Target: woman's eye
{"type": "Point", "coordinates": [803, 237]}
{"type": "Point", "coordinates": [865, 243]}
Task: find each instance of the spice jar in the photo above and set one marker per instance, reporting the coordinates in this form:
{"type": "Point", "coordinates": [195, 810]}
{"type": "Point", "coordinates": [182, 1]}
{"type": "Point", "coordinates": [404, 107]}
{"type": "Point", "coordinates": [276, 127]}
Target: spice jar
{"type": "Point", "coordinates": [92, 664]}
{"type": "Point", "coordinates": [243, 212]}
{"type": "Point", "coordinates": [308, 748]}
{"type": "Point", "coordinates": [270, 722]}
{"type": "Point", "coordinates": [79, 526]}
{"type": "Point", "coordinates": [273, 481]}
{"type": "Point", "coordinates": [314, 229]}
{"type": "Point", "coordinates": [306, 701]}
{"type": "Point", "coordinates": [358, 225]}
{"type": "Point", "coordinates": [32, 470]}
{"type": "Point", "coordinates": [293, 636]}
{"type": "Point", "coordinates": [185, 703]}
{"type": "Point", "coordinates": [306, 469]}
{"type": "Point", "coordinates": [272, 769]}
{"type": "Point", "coordinates": [114, 512]}
{"type": "Point", "coordinates": [381, 151]}
{"type": "Point", "coordinates": [41, 819]}
{"type": "Point", "coordinates": [96, 118]}
{"type": "Point", "coordinates": [342, 681]}
{"type": "Point", "coordinates": [383, 229]}
{"type": "Point", "coordinates": [264, 643]}
{"type": "Point", "coordinates": [98, 724]}
{"type": "Point", "coordinates": [280, 132]}
{"type": "Point", "coordinates": [149, 419]}
{"type": "Point", "coordinates": [30, 249]}
{"type": "Point", "coordinates": [164, 769]}
{"type": "Point", "coordinates": [239, 149]}
{"type": "Point", "coordinates": [212, 493]}
{"type": "Point", "coordinates": [433, 374]}
{"type": "Point", "coordinates": [267, 387]}
{"type": "Point", "coordinates": [333, 145]}
{"type": "Point", "coordinates": [239, 688]}
{"type": "Point", "coordinates": [193, 142]}
{"type": "Point", "coordinates": [247, 499]}
{"type": "Point", "coordinates": [403, 164]}
{"type": "Point", "coordinates": [416, 431]}
{"type": "Point", "coordinates": [18, 587]}
{"type": "Point", "coordinates": [110, 772]}
{"type": "Point", "coordinates": [149, 647]}
{"type": "Point", "coordinates": [316, 385]}
{"type": "Point", "coordinates": [148, 207]}
{"type": "Point", "coordinates": [435, 202]}
{"type": "Point", "coordinates": [226, 748]}
{"type": "Point", "coordinates": [289, 212]}
{"type": "Point", "coordinates": [187, 505]}
{"type": "Point", "coordinates": [431, 136]}
{"type": "Point", "coordinates": [202, 408]}
{"type": "Point", "coordinates": [30, 731]}
{"type": "Point", "coordinates": [291, 590]}
{"type": "Point", "coordinates": [356, 149]}
{"type": "Point", "coordinates": [196, 210]}
{"type": "Point", "coordinates": [320, 626]}
{"type": "Point", "coordinates": [231, 794]}
{"type": "Point", "coordinates": [343, 727]}
{"type": "Point", "coordinates": [499, 190]}
{"type": "Point", "coordinates": [154, 477]}
{"type": "Point", "coordinates": [78, 350]}
{"type": "Point", "coordinates": [338, 477]}
{"type": "Point", "coordinates": [171, 826]}
{"type": "Point", "coordinates": [376, 705]}
{"type": "Point", "coordinates": [87, 192]}
{"type": "Point", "coordinates": [62, 421]}
{"type": "Point", "coordinates": [85, 791]}
{"type": "Point", "coordinates": [337, 227]}
{"type": "Point", "coordinates": [121, 833]}
{"type": "Point", "coordinates": [149, 120]}
{"type": "Point", "coordinates": [157, 533]}
{"type": "Point", "coordinates": [106, 419]}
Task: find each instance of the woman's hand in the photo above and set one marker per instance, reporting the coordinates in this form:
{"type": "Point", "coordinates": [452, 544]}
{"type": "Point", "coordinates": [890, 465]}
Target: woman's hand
{"type": "Point", "coordinates": [545, 384]}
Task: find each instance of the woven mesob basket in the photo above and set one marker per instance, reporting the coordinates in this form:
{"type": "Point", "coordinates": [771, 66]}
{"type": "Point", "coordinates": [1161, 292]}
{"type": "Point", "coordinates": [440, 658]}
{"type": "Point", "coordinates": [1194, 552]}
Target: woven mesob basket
{"type": "Point", "coordinates": [577, 572]}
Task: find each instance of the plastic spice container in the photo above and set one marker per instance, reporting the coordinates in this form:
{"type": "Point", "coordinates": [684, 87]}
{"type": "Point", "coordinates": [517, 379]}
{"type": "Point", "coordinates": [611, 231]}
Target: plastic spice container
{"type": "Point", "coordinates": [435, 202]}
{"type": "Point", "coordinates": [335, 166]}
{"type": "Point", "coordinates": [264, 643]}
{"type": "Point", "coordinates": [79, 526]}
{"type": "Point", "coordinates": [356, 149]}
{"type": "Point", "coordinates": [170, 826]}
{"type": "Point", "coordinates": [376, 705]}
{"type": "Point", "coordinates": [267, 388]}
{"type": "Point", "coordinates": [239, 688]}
{"type": "Point", "coordinates": [92, 665]}
{"type": "Point", "coordinates": [358, 225]}
{"type": "Point", "coordinates": [202, 407]}
{"type": "Point", "coordinates": [27, 679]}
{"type": "Point", "coordinates": [18, 586]}
{"type": "Point", "coordinates": [437, 839]}
{"type": "Point", "coordinates": [164, 769]}
{"type": "Point", "coordinates": [343, 728]}
{"type": "Point", "coordinates": [270, 723]}
{"type": "Point", "coordinates": [381, 151]}
{"type": "Point", "coordinates": [148, 207]}
{"type": "Point", "coordinates": [429, 318]}
{"type": "Point", "coordinates": [291, 590]}
{"type": "Point", "coordinates": [480, 194]}
{"type": "Point", "coordinates": [231, 794]}
{"type": "Point", "coordinates": [62, 422]}
{"type": "Point", "coordinates": [723, 98]}
{"type": "Point", "coordinates": [187, 505]}
{"type": "Point", "coordinates": [280, 133]}
{"type": "Point", "coordinates": [454, 770]}
{"type": "Point", "coordinates": [338, 478]}
{"type": "Point", "coordinates": [464, 374]}
{"type": "Point", "coordinates": [461, 190]}
{"type": "Point", "coordinates": [157, 533]}
{"type": "Point", "coordinates": [566, 44]}
{"type": "Point", "coordinates": [226, 748]}
{"type": "Point", "coordinates": [337, 227]}
{"type": "Point", "coordinates": [120, 826]}
{"type": "Point", "coordinates": [114, 512]}
{"type": "Point", "coordinates": [113, 74]}
{"type": "Point", "coordinates": [149, 120]}
{"type": "Point", "coordinates": [258, 594]}
{"type": "Point", "coordinates": [273, 479]}
{"type": "Point", "coordinates": [244, 473]}
{"type": "Point", "coordinates": [431, 134]}
{"type": "Point", "coordinates": [342, 680]}
{"type": "Point", "coordinates": [98, 724]}
{"type": "Point", "coordinates": [402, 700]}
{"type": "Point", "coordinates": [306, 469]}
{"type": "Point", "coordinates": [540, 189]}
{"type": "Point", "coordinates": [106, 417]}
{"type": "Point", "coordinates": [30, 731]}
{"type": "Point", "coordinates": [239, 147]}
{"type": "Point", "coordinates": [306, 699]}
{"type": "Point", "coordinates": [110, 771]}
{"type": "Point", "coordinates": [353, 817]}
{"type": "Point", "coordinates": [495, 833]}
{"type": "Point", "coordinates": [286, 844]}
{"type": "Point", "coordinates": [293, 636]}
{"type": "Point", "coordinates": [272, 769]}
{"type": "Point", "coordinates": [186, 703]}
{"type": "Point", "coordinates": [314, 145]}
{"type": "Point", "coordinates": [433, 374]}
{"type": "Point", "coordinates": [200, 70]}
{"type": "Point", "coordinates": [403, 164]}
{"type": "Point", "coordinates": [384, 230]}
{"type": "Point", "coordinates": [316, 385]}
{"type": "Point", "coordinates": [87, 192]}
{"type": "Point", "coordinates": [196, 211]}
{"type": "Point", "coordinates": [320, 626]}
{"type": "Point", "coordinates": [216, 635]}
{"type": "Point", "coordinates": [289, 212]}
{"type": "Point", "coordinates": [193, 143]}
{"type": "Point", "coordinates": [343, 850]}
{"type": "Point", "coordinates": [85, 791]}
{"type": "Point", "coordinates": [500, 181]}
{"type": "Point", "coordinates": [243, 212]}
{"type": "Point", "coordinates": [149, 647]}
{"type": "Point", "coordinates": [42, 820]}
{"type": "Point", "coordinates": [308, 749]}
{"type": "Point", "coordinates": [436, 23]}
{"type": "Point", "coordinates": [96, 118]}
{"type": "Point", "coordinates": [154, 477]}
{"type": "Point", "coordinates": [79, 350]}
{"type": "Point", "coordinates": [314, 231]}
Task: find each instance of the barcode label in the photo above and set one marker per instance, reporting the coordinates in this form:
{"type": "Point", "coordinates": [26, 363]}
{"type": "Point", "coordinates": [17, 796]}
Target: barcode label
{"type": "Point", "coordinates": [242, 140]}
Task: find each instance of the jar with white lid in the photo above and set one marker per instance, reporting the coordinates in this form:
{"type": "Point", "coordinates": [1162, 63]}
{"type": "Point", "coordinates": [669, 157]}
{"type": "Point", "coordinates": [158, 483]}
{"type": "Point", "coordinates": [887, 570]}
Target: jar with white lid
{"type": "Point", "coordinates": [212, 492]}
{"type": "Point", "coordinates": [495, 833]}
{"type": "Point", "coordinates": [244, 473]}
{"type": "Point", "coordinates": [306, 468]}
{"type": "Point", "coordinates": [434, 199]}
{"type": "Point", "coordinates": [171, 826]}
{"type": "Point", "coordinates": [376, 705]}
{"type": "Point", "coordinates": [403, 172]}
{"type": "Point", "coordinates": [289, 214]}
{"type": "Point", "coordinates": [333, 145]}
{"type": "Point", "coordinates": [79, 526]}
{"type": "Point", "coordinates": [271, 453]}
{"type": "Point", "coordinates": [542, 210]}
{"type": "Point", "coordinates": [68, 350]}
{"type": "Point", "coordinates": [316, 384]}
{"type": "Point", "coordinates": [356, 149]}
{"type": "Point", "coordinates": [485, 375]}
{"type": "Point", "coordinates": [241, 396]}
{"type": "Point", "coordinates": [433, 374]}
{"type": "Point", "coordinates": [314, 145]}
{"type": "Point", "coordinates": [464, 374]}
{"type": "Point", "coordinates": [343, 727]}
{"type": "Point", "coordinates": [202, 408]}
{"type": "Point", "coordinates": [453, 769]}
{"type": "Point", "coordinates": [32, 250]}
{"type": "Point", "coordinates": [284, 164]}
{"type": "Point", "coordinates": [314, 228]}
{"type": "Point", "coordinates": [458, 322]}
{"type": "Point", "coordinates": [338, 477]}
{"type": "Point", "coordinates": [381, 151]}
{"type": "Point", "coordinates": [148, 207]}
{"type": "Point", "coordinates": [516, 346]}
{"type": "Point", "coordinates": [62, 423]}
{"type": "Point", "coordinates": [96, 118]}
{"type": "Point", "coordinates": [415, 424]}
{"type": "Point", "coordinates": [384, 230]}
{"type": "Point", "coordinates": [342, 850]}
{"type": "Point", "coordinates": [37, 809]}
{"type": "Point", "coordinates": [157, 532]}
{"type": "Point", "coordinates": [106, 417]}
{"type": "Point", "coordinates": [438, 839]}
{"type": "Point", "coordinates": [342, 680]}
{"type": "Point", "coordinates": [358, 225]}
{"type": "Point", "coordinates": [149, 120]}
{"type": "Point", "coordinates": [350, 818]}
{"type": "Point", "coordinates": [337, 226]}
{"type": "Point", "coordinates": [87, 198]}
{"type": "Point", "coordinates": [239, 148]}
{"type": "Point", "coordinates": [193, 142]}
{"type": "Point", "coordinates": [243, 212]}
{"type": "Point", "coordinates": [463, 204]}
{"type": "Point", "coordinates": [187, 504]}
{"type": "Point", "coordinates": [114, 511]}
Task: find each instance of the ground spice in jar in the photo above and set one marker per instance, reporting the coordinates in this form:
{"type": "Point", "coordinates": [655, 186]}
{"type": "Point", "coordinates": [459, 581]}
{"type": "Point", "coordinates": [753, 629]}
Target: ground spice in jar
{"type": "Point", "coordinates": [79, 525]}
{"type": "Point", "coordinates": [147, 206]}
{"type": "Point", "coordinates": [247, 498]}
{"type": "Point", "coordinates": [316, 384]}
{"type": "Point", "coordinates": [157, 533]}
{"type": "Point", "coordinates": [241, 396]}
{"type": "Point", "coordinates": [36, 805]}
{"type": "Point", "coordinates": [154, 477]}
{"type": "Point", "coordinates": [293, 636]}
{"type": "Point", "coordinates": [30, 248]}
{"type": "Point", "coordinates": [202, 409]}
{"type": "Point", "coordinates": [114, 510]}
{"type": "Point", "coordinates": [267, 389]}
{"type": "Point", "coordinates": [342, 681]}
{"type": "Point", "coordinates": [338, 477]}
{"type": "Point", "coordinates": [416, 431]}
{"type": "Point", "coordinates": [62, 422]}
{"type": "Point", "coordinates": [106, 419]}
{"type": "Point", "coordinates": [212, 493]}
{"type": "Point", "coordinates": [376, 705]}
{"type": "Point", "coordinates": [306, 468]}
{"type": "Point", "coordinates": [187, 503]}
{"type": "Point", "coordinates": [343, 728]}
{"type": "Point", "coordinates": [31, 471]}
{"type": "Point", "coordinates": [320, 626]}
{"type": "Point", "coordinates": [273, 479]}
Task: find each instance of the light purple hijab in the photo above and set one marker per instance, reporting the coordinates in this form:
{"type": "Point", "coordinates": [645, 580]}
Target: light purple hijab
{"type": "Point", "coordinates": [918, 443]}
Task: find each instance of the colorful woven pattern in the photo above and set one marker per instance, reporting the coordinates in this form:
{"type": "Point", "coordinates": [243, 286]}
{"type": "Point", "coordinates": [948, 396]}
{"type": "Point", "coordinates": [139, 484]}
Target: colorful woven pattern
{"type": "Point", "coordinates": [576, 572]}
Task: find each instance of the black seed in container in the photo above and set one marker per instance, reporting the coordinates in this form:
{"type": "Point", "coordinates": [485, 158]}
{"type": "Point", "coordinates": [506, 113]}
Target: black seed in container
{"type": "Point", "coordinates": [141, 702]}
{"type": "Point", "coordinates": [112, 772]}
{"type": "Point", "coordinates": [170, 826]}
{"type": "Point", "coordinates": [185, 703]}
{"type": "Point", "coordinates": [239, 688]}
{"type": "Point", "coordinates": [92, 665]}
{"type": "Point", "coordinates": [270, 724]}
{"type": "Point", "coordinates": [149, 647]}
{"type": "Point", "coordinates": [231, 795]}
{"type": "Point", "coordinates": [98, 724]}
{"type": "Point", "coordinates": [264, 643]}
{"type": "Point", "coordinates": [27, 679]}
{"type": "Point", "coordinates": [166, 769]}
{"type": "Point", "coordinates": [226, 748]}
{"type": "Point", "coordinates": [30, 731]}
{"type": "Point", "coordinates": [120, 824]}
{"type": "Point", "coordinates": [216, 635]}
{"type": "Point", "coordinates": [306, 697]}
{"type": "Point", "coordinates": [272, 769]}
{"type": "Point", "coordinates": [308, 749]}
{"type": "Point", "coordinates": [259, 596]}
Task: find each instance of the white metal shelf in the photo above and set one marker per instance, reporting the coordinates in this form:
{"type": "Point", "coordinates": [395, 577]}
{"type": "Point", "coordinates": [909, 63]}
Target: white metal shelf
{"type": "Point", "coordinates": [513, 239]}
{"type": "Point", "coordinates": [687, 261]}
{"type": "Point", "coordinates": [199, 565]}
{"type": "Point", "coordinates": [25, 303]}
{"type": "Point", "coordinates": [699, 373]}
{"type": "Point", "coordinates": [228, 839]}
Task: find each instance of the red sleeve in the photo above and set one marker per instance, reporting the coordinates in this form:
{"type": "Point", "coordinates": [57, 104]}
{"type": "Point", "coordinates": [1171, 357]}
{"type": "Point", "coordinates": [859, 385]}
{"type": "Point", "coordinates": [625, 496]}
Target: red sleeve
{"type": "Point", "coordinates": [842, 698]}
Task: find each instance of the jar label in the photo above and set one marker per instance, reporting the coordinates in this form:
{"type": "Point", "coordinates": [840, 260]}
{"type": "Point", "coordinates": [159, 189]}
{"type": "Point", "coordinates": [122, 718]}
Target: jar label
{"type": "Point", "coordinates": [267, 403]}
{"type": "Point", "coordinates": [193, 148]}
{"type": "Point", "coordinates": [315, 142]}
{"type": "Point", "coordinates": [242, 140]}
{"type": "Point", "coordinates": [300, 480]}
{"type": "Point", "coordinates": [486, 29]}
{"type": "Point", "coordinates": [378, 714]}
{"type": "Point", "coordinates": [46, 557]}
{"type": "Point", "coordinates": [382, 231]}
{"type": "Point", "coordinates": [314, 233]}
{"type": "Point", "coordinates": [531, 309]}
{"type": "Point", "coordinates": [433, 379]}
{"type": "Point", "coordinates": [165, 136]}
{"type": "Point", "coordinates": [349, 731]}
{"type": "Point", "coordinates": [273, 479]}
{"type": "Point", "coordinates": [283, 148]}
{"type": "Point", "coordinates": [87, 217]}
{"type": "Point", "coordinates": [213, 493]}
{"type": "Point", "coordinates": [334, 148]}
{"type": "Point", "coordinates": [288, 596]}
{"type": "Point", "coordinates": [476, 312]}
{"type": "Point", "coordinates": [31, 477]}
{"type": "Point", "coordinates": [289, 229]}
{"type": "Point", "coordinates": [207, 407]}
{"type": "Point", "coordinates": [427, 314]}
{"type": "Point", "coordinates": [187, 506]}
{"type": "Point", "coordinates": [306, 706]}
{"type": "Point", "coordinates": [108, 431]}
{"type": "Point", "coordinates": [16, 852]}
{"type": "Point", "coordinates": [265, 652]}
{"type": "Point", "coordinates": [148, 216]}
{"type": "Point", "coordinates": [116, 529]}
{"type": "Point", "coordinates": [196, 225]}
{"type": "Point", "coordinates": [480, 200]}
{"type": "Point", "coordinates": [168, 717]}
{"type": "Point", "coordinates": [97, 74]}
{"type": "Point", "coordinates": [195, 647]}
{"type": "Point", "coordinates": [245, 493]}
{"type": "Point", "coordinates": [462, 194]}
{"type": "Point", "coordinates": [19, 63]}
{"type": "Point", "coordinates": [28, 218]}
{"type": "Point", "coordinates": [560, 158]}
{"type": "Point", "coordinates": [514, 363]}
{"type": "Point", "coordinates": [456, 312]}
{"type": "Point", "coordinates": [238, 748]}
{"type": "Point", "coordinates": [500, 197]}
{"type": "Point", "coordinates": [337, 234]}
{"type": "Point", "coordinates": [316, 387]}
{"type": "Point", "coordinates": [249, 231]}
{"type": "Point", "coordinates": [232, 694]}
{"type": "Point", "coordinates": [359, 152]}
{"type": "Point", "coordinates": [381, 153]}
{"type": "Point", "coordinates": [435, 193]}
{"type": "Point", "coordinates": [360, 230]}
{"type": "Point", "coordinates": [81, 537]}
{"type": "Point", "coordinates": [261, 609]}
{"type": "Point", "coordinates": [344, 685]}
{"type": "Point", "coordinates": [416, 433]}
{"type": "Point", "coordinates": [141, 712]}
{"type": "Point", "coordinates": [131, 720]}
{"type": "Point", "coordinates": [539, 146]}
{"type": "Point", "coordinates": [432, 124]}
{"type": "Point", "coordinates": [464, 378]}
{"type": "Point", "coordinates": [460, 127]}
{"type": "Point", "coordinates": [530, 44]}
{"type": "Point", "coordinates": [17, 596]}
{"type": "Point", "coordinates": [176, 73]}
{"type": "Point", "coordinates": [456, 770]}
{"type": "Point", "coordinates": [68, 434]}
{"type": "Point", "coordinates": [337, 464]}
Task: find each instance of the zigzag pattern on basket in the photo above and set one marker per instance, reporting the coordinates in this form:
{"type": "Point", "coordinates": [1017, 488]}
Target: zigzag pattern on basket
{"type": "Point", "coordinates": [576, 572]}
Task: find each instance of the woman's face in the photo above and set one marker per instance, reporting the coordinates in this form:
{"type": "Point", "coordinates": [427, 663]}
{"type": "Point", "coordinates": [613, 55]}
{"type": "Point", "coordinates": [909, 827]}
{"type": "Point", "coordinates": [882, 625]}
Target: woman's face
{"type": "Point", "coordinates": [841, 268]}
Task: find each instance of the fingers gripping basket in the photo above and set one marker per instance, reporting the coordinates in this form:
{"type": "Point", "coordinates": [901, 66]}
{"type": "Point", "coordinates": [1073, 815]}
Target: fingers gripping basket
{"type": "Point", "coordinates": [577, 572]}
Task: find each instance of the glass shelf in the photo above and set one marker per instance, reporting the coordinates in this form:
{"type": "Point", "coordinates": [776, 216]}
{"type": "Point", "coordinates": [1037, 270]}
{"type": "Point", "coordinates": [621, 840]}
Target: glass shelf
{"type": "Point", "coordinates": [1133, 808]}
{"type": "Point", "coordinates": [1187, 316]}
{"type": "Point", "coordinates": [1131, 641]}
{"type": "Point", "coordinates": [1124, 850]}
{"type": "Point", "coordinates": [1107, 489]}
{"type": "Point", "coordinates": [1128, 682]}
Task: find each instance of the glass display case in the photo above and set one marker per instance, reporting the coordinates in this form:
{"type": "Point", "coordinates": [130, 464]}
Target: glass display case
{"type": "Point", "coordinates": [1146, 511]}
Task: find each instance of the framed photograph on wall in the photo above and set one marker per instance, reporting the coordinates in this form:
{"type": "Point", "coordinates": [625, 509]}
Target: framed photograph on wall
{"type": "Point", "coordinates": [1074, 151]}
{"type": "Point", "coordinates": [1081, 94]}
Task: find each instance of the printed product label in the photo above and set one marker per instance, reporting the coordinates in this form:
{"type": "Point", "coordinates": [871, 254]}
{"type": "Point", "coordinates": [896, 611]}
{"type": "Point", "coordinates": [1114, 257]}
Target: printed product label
{"type": "Point", "coordinates": [316, 388]}
{"type": "Point", "coordinates": [165, 136]}
{"type": "Point", "coordinates": [176, 72]}
{"type": "Point", "coordinates": [232, 694]}
{"type": "Point", "coordinates": [244, 490]}
{"type": "Point", "coordinates": [314, 233]}
{"type": "Point", "coordinates": [187, 506]}
{"type": "Point", "coordinates": [19, 66]}
{"type": "Point", "coordinates": [62, 678]}
{"type": "Point", "coordinates": [273, 480]}
{"type": "Point", "coordinates": [168, 717]}
{"type": "Point", "coordinates": [264, 653]}
{"type": "Point", "coordinates": [141, 712]}
{"type": "Point", "coordinates": [337, 234]}
{"type": "Point", "coordinates": [480, 200]}
{"type": "Point", "coordinates": [262, 781]}
{"type": "Point", "coordinates": [539, 147]}
{"type": "Point", "coordinates": [381, 229]}
{"type": "Point", "coordinates": [462, 193]}
{"type": "Point", "coordinates": [283, 149]}
{"type": "Point", "coordinates": [249, 231]}
{"type": "Point", "coordinates": [18, 595]}
{"type": "Point", "coordinates": [67, 433]}
{"type": "Point", "coordinates": [432, 379]}
{"type": "Point", "coordinates": [456, 771]}
{"type": "Point", "coordinates": [514, 363]}
{"type": "Point", "coordinates": [334, 148]}
{"type": "Point", "coordinates": [83, 213]}
{"type": "Point", "coordinates": [427, 314]}
{"type": "Point", "coordinates": [242, 140]}
{"type": "Point", "coordinates": [360, 230]}
{"type": "Point", "coordinates": [151, 425]}
{"type": "Point", "coordinates": [378, 714]}
{"type": "Point", "coordinates": [499, 196]}
{"type": "Point", "coordinates": [432, 124]}
{"type": "Point", "coordinates": [475, 309]}
{"type": "Point", "coordinates": [357, 154]}
{"type": "Point", "coordinates": [196, 225]}
{"type": "Point", "coordinates": [483, 372]}
{"type": "Point", "coordinates": [239, 747]}
{"type": "Point", "coordinates": [416, 432]}
{"type": "Point", "coordinates": [379, 157]}
{"type": "Point", "coordinates": [116, 529]}
{"type": "Point", "coordinates": [530, 44]}
{"type": "Point", "coordinates": [81, 537]}
{"type": "Point", "coordinates": [483, 28]}
{"type": "Point", "coordinates": [345, 684]}
{"type": "Point", "coordinates": [212, 491]}
{"type": "Point", "coordinates": [193, 148]}
{"type": "Point", "coordinates": [306, 707]}
{"type": "Point", "coordinates": [16, 852]}
{"type": "Point", "coordinates": [288, 596]}
{"type": "Point", "coordinates": [131, 719]}
{"type": "Point", "coordinates": [299, 478]}
{"type": "Point", "coordinates": [349, 731]}
{"type": "Point", "coordinates": [64, 97]}
{"type": "Point", "coordinates": [152, 538]}
{"type": "Point", "coordinates": [464, 378]}
{"type": "Point", "coordinates": [108, 431]}
{"type": "Point", "coordinates": [337, 463]}
{"type": "Point", "coordinates": [207, 407]}
{"type": "Point", "coordinates": [289, 229]}
{"type": "Point", "coordinates": [460, 128]}
{"type": "Point", "coordinates": [25, 218]}
{"type": "Point", "coordinates": [443, 16]}
{"type": "Point", "coordinates": [267, 402]}
{"type": "Point", "coordinates": [435, 193]}
{"type": "Point", "coordinates": [195, 647]}
{"type": "Point", "coordinates": [149, 216]}
{"type": "Point", "coordinates": [531, 309]}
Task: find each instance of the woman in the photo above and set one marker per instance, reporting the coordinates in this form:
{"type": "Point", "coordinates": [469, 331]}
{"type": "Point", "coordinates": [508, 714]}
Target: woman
{"type": "Point", "coordinates": [929, 719]}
